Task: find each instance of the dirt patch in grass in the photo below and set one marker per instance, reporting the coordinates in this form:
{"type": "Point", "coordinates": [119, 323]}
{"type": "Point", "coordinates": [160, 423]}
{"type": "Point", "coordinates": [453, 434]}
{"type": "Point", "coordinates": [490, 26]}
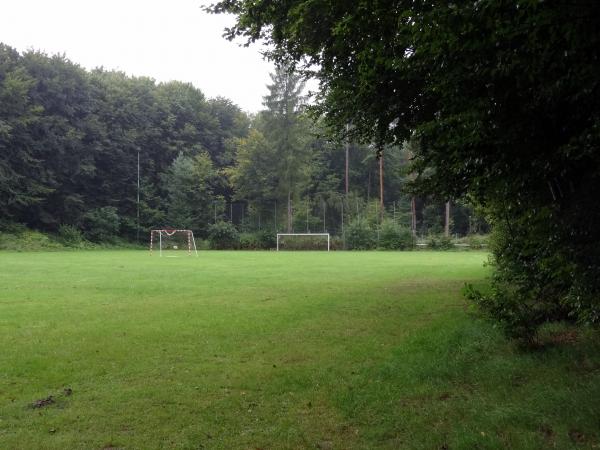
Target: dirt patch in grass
{"type": "Point", "coordinates": [547, 433]}
{"type": "Point", "coordinates": [577, 436]}
{"type": "Point", "coordinates": [51, 399]}
{"type": "Point", "coordinates": [43, 402]}
{"type": "Point", "coordinates": [444, 396]}
{"type": "Point", "coordinates": [562, 337]}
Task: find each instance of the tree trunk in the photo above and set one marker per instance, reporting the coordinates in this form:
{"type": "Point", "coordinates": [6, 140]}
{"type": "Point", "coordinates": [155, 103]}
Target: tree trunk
{"type": "Point", "coordinates": [381, 208]}
{"type": "Point", "coordinates": [289, 211]}
{"type": "Point", "coordinates": [447, 221]}
{"type": "Point", "coordinates": [413, 216]}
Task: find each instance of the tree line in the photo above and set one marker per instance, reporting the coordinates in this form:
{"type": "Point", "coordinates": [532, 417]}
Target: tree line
{"type": "Point", "coordinates": [70, 141]}
{"type": "Point", "coordinates": [115, 155]}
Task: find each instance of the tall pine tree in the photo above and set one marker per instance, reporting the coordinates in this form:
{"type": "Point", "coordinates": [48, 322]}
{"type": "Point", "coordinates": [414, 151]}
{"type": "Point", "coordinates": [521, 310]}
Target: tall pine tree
{"type": "Point", "coordinates": [287, 131]}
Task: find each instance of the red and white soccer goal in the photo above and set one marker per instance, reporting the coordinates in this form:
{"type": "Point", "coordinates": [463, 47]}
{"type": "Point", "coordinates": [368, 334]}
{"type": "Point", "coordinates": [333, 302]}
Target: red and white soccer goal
{"type": "Point", "coordinates": [172, 242]}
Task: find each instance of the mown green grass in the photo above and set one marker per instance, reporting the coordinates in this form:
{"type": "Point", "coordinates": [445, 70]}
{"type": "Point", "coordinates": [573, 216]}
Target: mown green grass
{"type": "Point", "coordinates": [247, 350]}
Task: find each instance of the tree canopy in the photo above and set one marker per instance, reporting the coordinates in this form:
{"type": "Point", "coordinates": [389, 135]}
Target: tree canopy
{"type": "Point", "coordinates": [503, 101]}
{"type": "Point", "coordinates": [70, 141]}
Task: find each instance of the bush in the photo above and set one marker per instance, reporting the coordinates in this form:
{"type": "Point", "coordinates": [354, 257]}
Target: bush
{"type": "Point", "coordinates": [70, 236]}
{"type": "Point", "coordinates": [303, 243]}
{"type": "Point", "coordinates": [394, 237]}
{"type": "Point", "coordinates": [250, 241]}
{"type": "Point", "coordinates": [102, 224]}
{"type": "Point", "coordinates": [439, 242]}
{"type": "Point", "coordinates": [337, 243]}
{"type": "Point", "coordinates": [11, 227]}
{"type": "Point", "coordinates": [268, 239]}
{"type": "Point", "coordinates": [202, 244]}
{"type": "Point", "coordinates": [477, 241]}
{"type": "Point", "coordinates": [258, 240]}
{"type": "Point", "coordinates": [27, 240]}
{"type": "Point", "coordinates": [519, 313]}
{"type": "Point", "coordinates": [359, 236]}
{"type": "Point", "coordinates": [528, 285]}
{"type": "Point", "coordinates": [223, 235]}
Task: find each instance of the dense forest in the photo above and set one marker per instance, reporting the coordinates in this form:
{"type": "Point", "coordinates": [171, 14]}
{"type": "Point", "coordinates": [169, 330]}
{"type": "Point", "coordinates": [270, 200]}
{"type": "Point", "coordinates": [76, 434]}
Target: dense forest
{"type": "Point", "coordinates": [74, 144]}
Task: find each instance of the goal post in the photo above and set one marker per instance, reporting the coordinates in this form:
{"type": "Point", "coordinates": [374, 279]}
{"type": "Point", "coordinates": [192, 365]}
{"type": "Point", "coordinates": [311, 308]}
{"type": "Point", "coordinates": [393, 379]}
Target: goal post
{"type": "Point", "coordinates": [172, 239]}
{"type": "Point", "coordinates": [281, 237]}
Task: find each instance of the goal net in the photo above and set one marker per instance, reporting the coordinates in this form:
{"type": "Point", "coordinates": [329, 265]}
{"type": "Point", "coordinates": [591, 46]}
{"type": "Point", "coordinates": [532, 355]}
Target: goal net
{"type": "Point", "coordinates": [171, 242]}
{"type": "Point", "coordinates": [303, 241]}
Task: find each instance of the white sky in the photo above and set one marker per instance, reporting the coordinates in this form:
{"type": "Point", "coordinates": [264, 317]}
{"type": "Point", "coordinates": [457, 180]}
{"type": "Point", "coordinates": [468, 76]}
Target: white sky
{"type": "Point", "coordinates": [162, 39]}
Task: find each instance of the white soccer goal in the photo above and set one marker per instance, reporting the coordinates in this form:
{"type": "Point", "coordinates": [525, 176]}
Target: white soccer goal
{"type": "Point", "coordinates": [172, 243]}
{"type": "Point", "coordinates": [311, 237]}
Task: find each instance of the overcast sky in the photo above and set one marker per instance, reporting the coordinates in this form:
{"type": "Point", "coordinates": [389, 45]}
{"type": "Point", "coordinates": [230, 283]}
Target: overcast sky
{"type": "Point", "coordinates": [163, 39]}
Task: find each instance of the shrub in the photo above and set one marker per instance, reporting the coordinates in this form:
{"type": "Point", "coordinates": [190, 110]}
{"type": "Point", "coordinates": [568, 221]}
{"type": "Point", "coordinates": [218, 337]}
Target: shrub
{"type": "Point", "coordinates": [202, 244]}
{"type": "Point", "coordinates": [250, 241]}
{"type": "Point", "coordinates": [223, 235]}
{"type": "Point", "coordinates": [519, 313]}
{"type": "Point", "coordinates": [359, 236]}
{"type": "Point", "coordinates": [70, 236]}
{"type": "Point", "coordinates": [439, 242]}
{"type": "Point", "coordinates": [528, 285]}
{"type": "Point", "coordinates": [268, 239]}
{"type": "Point", "coordinates": [27, 240]}
{"type": "Point", "coordinates": [303, 243]}
{"type": "Point", "coordinates": [11, 227]}
{"type": "Point", "coordinates": [337, 243]}
{"type": "Point", "coordinates": [102, 224]}
{"type": "Point", "coordinates": [477, 241]}
{"type": "Point", "coordinates": [394, 237]}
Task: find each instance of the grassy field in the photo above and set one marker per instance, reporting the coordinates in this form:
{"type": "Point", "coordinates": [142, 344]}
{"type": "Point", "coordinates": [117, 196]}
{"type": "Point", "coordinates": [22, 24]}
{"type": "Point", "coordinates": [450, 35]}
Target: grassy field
{"type": "Point", "coordinates": [264, 350]}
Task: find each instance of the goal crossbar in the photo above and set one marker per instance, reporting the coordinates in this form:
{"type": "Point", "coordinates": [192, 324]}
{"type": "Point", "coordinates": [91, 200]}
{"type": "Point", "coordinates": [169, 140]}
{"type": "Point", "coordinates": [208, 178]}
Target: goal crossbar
{"type": "Point", "coordinates": [304, 234]}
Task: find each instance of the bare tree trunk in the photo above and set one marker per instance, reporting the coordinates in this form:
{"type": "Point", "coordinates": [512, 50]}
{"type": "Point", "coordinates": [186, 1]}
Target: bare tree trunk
{"type": "Point", "coordinates": [413, 216]}
{"type": "Point", "coordinates": [289, 211]}
{"type": "Point", "coordinates": [381, 210]}
{"type": "Point", "coordinates": [447, 222]}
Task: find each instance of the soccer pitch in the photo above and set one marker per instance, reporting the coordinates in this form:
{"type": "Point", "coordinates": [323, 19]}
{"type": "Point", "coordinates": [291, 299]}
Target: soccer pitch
{"type": "Point", "coordinates": [266, 350]}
